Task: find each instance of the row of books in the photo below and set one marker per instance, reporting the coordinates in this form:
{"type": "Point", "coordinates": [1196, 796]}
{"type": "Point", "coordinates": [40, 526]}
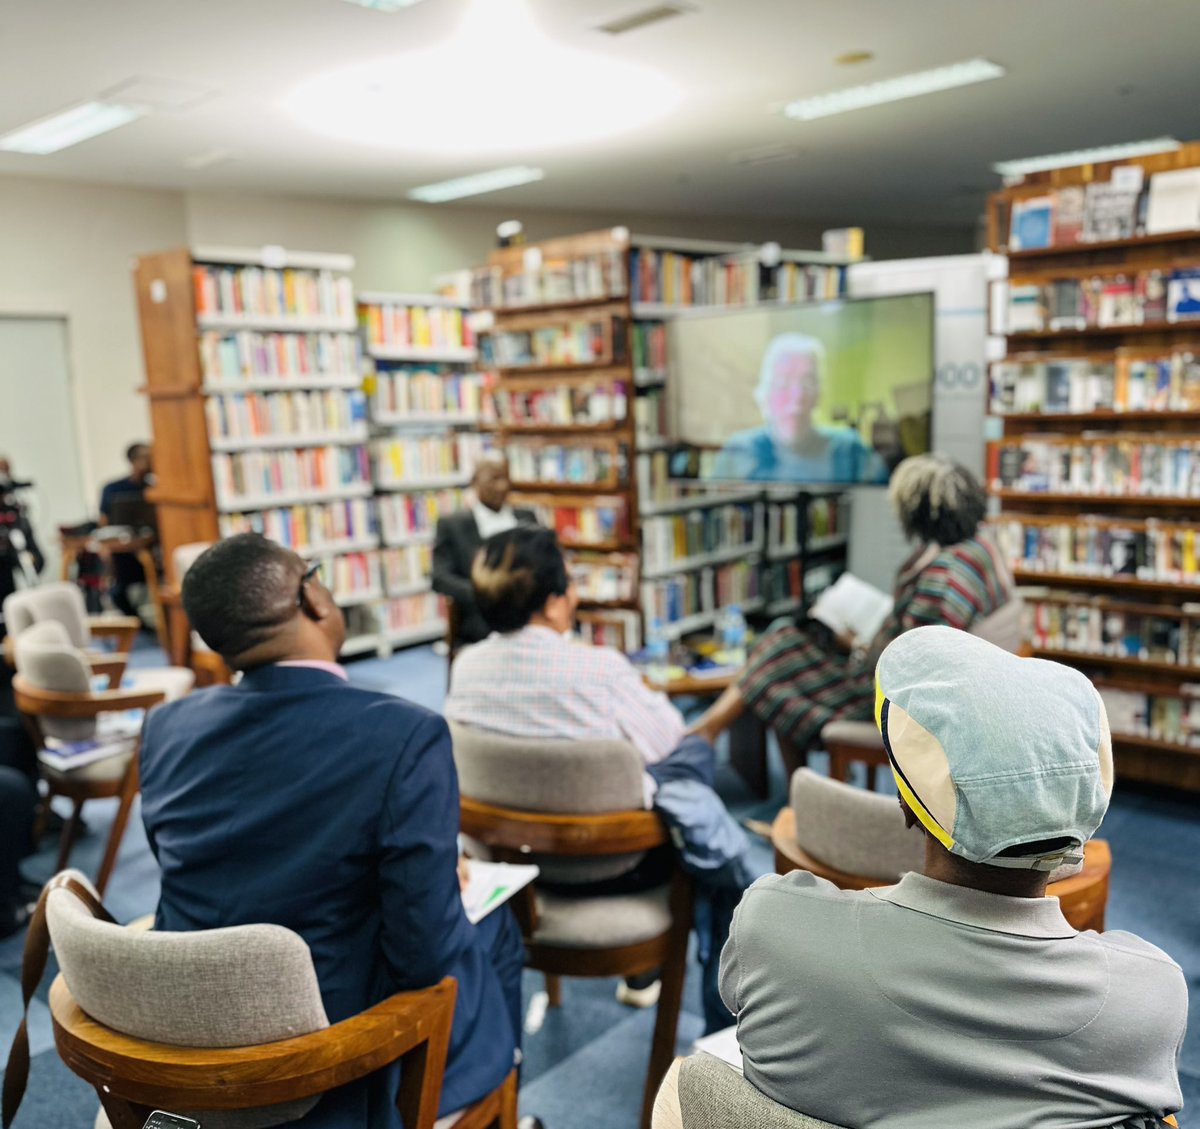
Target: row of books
{"type": "Point", "coordinates": [1096, 627]}
{"type": "Point", "coordinates": [1133, 466]}
{"type": "Point", "coordinates": [1147, 297]}
{"type": "Point", "coordinates": [782, 580]}
{"type": "Point", "coordinates": [783, 525]}
{"type": "Point", "coordinates": [675, 537]}
{"type": "Point", "coordinates": [828, 514]}
{"type": "Point", "coordinates": [401, 460]}
{"type": "Point", "coordinates": [257, 474]}
{"type": "Point", "coordinates": [403, 392]}
{"type": "Point", "coordinates": [691, 593]}
{"type": "Point", "coordinates": [408, 515]}
{"type": "Point", "coordinates": [650, 415]}
{"type": "Point", "coordinates": [263, 414]}
{"type": "Point", "coordinates": [266, 292]}
{"type": "Point", "coordinates": [604, 578]}
{"type": "Point", "coordinates": [648, 346]}
{"type": "Point", "coordinates": [402, 613]}
{"type": "Point", "coordinates": [1162, 717]}
{"type": "Point", "coordinates": [565, 404]}
{"type": "Point", "coordinates": [556, 463]}
{"type": "Point", "coordinates": [581, 341]}
{"type": "Point", "coordinates": [674, 279]}
{"type": "Point", "coordinates": [618, 628]}
{"type": "Point", "coordinates": [407, 566]}
{"type": "Point", "coordinates": [1128, 383]}
{"type": "Point", "coordinates": [595, 522]}
{"type": "Point", "coordinates": [246, 354]}
{"type": "Point", "coordinates": [351, 575]}
{"type": "Point", "coordinates": [396, 326]}
{"type": "Point", "coordinates": [1106, 210]}
{"type": "Point", "coordinates": [582, 279]}
{"type": "Point", "coordinates": [307, 527]}
{"type": "Point", "coordinates": [1142, 550]}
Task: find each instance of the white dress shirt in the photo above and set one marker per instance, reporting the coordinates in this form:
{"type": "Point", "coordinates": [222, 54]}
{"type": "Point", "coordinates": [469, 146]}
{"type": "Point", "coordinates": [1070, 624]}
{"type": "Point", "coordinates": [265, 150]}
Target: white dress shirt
{"type": "Point", "coordinates": [491, 522]}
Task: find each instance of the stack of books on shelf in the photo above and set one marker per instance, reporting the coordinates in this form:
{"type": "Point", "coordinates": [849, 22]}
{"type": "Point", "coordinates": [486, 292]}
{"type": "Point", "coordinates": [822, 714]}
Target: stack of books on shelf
{"type": "Point", "coordinates": [391, 324]}
{"type": "Point", "coordinates": [353, 578]}
{"type": "Point", "coordinates": [1154, 551]}
{"type": "Point", "coordinates": [621, 629]}
{"type": "Point", "coordinates": [591, 340]}
{"type": "Point", "coordinates": [688, 601]}
{"type": "Point", "coordinates": [325, 527]}
{"type": "Point", "coordinates": [414, 461]}
{"type": "Point", "coordinates": [263, 418]}
{"type": "Point", "coordinates": [247, 357]}
{"type": "Point", "coordinates": [1106, 629]}
{"type": "Point", "coordinates": [263, 479]}
{"type": "Point", "coordinates": [604, 578]}
{"type": "Point", "coordinates": [1111, 465]}
{"type": "Point", "coordinates": [648, 347]}
{"type": "Point", "coordinates": [580, 404]}
{"type": "Point", "coordinates": [534, 463]}
{"type": "Point", "coordinates": [1173, 718]}
{"type": "Point", "coordinates": [425, 395]}
{"type": "Point", "coordinates": [233, 293]}
{"type": "Point", "coordinates": [700, 536]}
{"type": "Point", "coordinates": [411, 619]}
{"type": "Point", "coordinates": [583, 521]}
{"type": "Point", "coordinates": [1104, 301]}
{"type": "Point", "coordinates": [407, 570]}
{"type": "Point", "coordinates": [559, 280]}
{"type": "Point", "coordinates": [1105, 211]}
{"type": "Point", "coordinates": [410, 518]}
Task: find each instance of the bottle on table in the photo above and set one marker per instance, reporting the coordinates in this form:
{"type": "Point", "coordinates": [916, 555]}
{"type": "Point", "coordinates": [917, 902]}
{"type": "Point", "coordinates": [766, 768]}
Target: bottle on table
{"type": "Point", "coordinates": [731, 627]}
{"type": "Point", "coordinates": [658, 653]}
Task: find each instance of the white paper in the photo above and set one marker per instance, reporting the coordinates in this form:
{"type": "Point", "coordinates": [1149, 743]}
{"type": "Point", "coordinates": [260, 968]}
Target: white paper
{"type": "Point", "coordinates": [723, 1045]}
{"type": "Point", "coordinates": [491, 884]}
{"type": "Point", "coordinates": [854, 604]}
{"type": "Point", "coordinates": [1174, 201]}
{"type": "Point", "coordinates": [1128, 178]}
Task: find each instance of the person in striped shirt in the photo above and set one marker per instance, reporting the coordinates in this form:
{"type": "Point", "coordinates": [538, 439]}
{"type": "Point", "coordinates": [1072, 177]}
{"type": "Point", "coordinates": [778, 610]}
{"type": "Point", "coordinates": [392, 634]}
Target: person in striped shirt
{"type": "Point", "coordinates": [798, 677]}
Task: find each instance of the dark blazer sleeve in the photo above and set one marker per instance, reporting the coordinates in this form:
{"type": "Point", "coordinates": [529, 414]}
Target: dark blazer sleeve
{"type": "Point", "coordinates": [451, 574]}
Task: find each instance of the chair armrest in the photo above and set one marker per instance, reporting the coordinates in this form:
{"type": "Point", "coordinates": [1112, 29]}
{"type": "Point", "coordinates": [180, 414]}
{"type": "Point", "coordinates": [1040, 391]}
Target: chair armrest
{"type": "Point", "coordinates": [122, 628]}
{"type": "Point", "coordinates": [857, 734]}
{"type": "Point", "coordinates": [51, 703]}
{"type": "Point", "coordinates": [109, 665]}
{"type": "Point", "coordinates": [610, 833]}
{"type": "Point", "coordinates": [170, 1077]}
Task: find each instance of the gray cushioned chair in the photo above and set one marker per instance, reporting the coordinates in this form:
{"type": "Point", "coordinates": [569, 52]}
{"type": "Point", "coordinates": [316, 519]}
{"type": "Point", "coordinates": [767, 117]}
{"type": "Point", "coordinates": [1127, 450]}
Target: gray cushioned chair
{"type": "Point", "coordinates": [576, 809]}
{"type": "Point", "coordinates": [64, 603]}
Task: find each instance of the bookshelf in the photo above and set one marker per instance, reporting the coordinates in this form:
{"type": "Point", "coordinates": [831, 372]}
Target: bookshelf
{"type": "Point", "coordinates": [579, 397]}
{"type": "Point", "coordinates": [1096, 474]}
{"type": "Point", "coordinates": [252, 374]}
{"type": "Point", "coordinates": [425, 397]}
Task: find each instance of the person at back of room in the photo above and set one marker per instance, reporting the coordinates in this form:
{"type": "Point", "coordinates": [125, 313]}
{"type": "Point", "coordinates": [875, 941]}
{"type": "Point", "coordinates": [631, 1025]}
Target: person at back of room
{"type": "Point", "coordinates": [296, 799]}
{"type": "Point", "coordinates": [798, 677]}
{"type": "Point", "coordinates": [460, 535]}
{"type": "Point", "coordinates": [530, 679]}
{"type": "Point", "coordinates": [118, 498]}
{"type": "Point", "coordinates": [962, 996]}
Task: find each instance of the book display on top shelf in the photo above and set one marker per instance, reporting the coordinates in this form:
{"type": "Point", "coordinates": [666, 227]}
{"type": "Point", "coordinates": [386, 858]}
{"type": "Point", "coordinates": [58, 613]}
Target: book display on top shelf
{"type": "Point", "coordinates": [1097, 474]}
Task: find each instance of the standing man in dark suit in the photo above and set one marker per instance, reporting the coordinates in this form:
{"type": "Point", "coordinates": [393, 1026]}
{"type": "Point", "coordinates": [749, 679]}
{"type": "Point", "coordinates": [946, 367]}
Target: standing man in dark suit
{"type": "Point", "coordinates": [299, 800]}
{"type": "Point", "coordinates": [460, 535]}
{"type": "Point", "coordinates": [117, 499]}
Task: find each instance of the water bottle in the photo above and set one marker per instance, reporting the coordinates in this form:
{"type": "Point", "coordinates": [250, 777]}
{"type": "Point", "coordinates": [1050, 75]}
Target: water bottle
{"type": "Point", "coordinates": [733, 636]}
{"type": "Point", "coordinates": [658, 649]}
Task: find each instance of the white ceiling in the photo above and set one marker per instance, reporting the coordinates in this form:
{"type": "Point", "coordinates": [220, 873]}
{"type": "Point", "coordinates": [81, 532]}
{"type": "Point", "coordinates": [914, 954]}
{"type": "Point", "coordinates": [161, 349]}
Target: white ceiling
{"type": "Point", "coordinates": [1081, 73]}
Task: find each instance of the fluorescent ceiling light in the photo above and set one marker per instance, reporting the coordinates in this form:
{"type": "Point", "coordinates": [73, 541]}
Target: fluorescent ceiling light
{"type": "Point", "coordinates": [1086, 156]}
{"type": "Point", "coordinates": [69, 128]}
{"type": "Point", "coordinates": [894, 89]}
{"type": "Point", "coordinates": [497, 85]}
{"type": "Point", "coordinates": [385, 5]}
{"type": "Point", "coordinates": [475, 185]}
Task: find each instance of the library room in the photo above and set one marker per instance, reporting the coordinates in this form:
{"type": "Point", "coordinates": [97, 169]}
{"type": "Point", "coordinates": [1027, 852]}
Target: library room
{"type": "Point", "coordinates": [599, 564]}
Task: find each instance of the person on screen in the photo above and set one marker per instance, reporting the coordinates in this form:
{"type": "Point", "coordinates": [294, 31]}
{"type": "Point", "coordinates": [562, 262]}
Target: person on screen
{"type": "Point", "coordinates": [790, 447]}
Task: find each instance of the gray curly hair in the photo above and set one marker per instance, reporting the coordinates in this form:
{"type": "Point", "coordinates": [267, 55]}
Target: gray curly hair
{"type": "Point", "coordinates": [936, 499]}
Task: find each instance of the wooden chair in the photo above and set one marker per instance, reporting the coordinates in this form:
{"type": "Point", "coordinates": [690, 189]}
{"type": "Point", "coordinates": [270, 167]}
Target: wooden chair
{"type": "Point", "coordinates": [857, 840]}
{"type": "Point", "coordinates": [207, 665]}
{"type": "Point", "coordinates": [224, 1020]}
{"type": "Point", "coordinates": [64, 604]}
{"type": "Point", "coordinates": [504, 782]}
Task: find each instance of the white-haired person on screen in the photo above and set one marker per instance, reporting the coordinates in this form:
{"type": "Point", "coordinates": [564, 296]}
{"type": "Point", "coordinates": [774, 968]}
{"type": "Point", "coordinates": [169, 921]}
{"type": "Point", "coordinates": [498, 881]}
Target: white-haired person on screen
{"type": "Point", "coordinates": [789, 446]}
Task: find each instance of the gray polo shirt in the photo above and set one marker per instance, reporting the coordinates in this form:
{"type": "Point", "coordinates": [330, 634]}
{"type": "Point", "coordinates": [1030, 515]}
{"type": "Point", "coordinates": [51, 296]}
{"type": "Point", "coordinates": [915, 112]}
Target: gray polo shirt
{"type": "Point", "coordinates": [926, 1004]}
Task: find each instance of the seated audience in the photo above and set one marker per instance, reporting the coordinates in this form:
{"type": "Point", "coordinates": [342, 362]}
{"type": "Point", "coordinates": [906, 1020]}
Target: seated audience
{"type": "Point", "coordinates": [297, 799]}
{"type": "Point", "coordinates": [530, 679]}
{"type": "Point", "coordinates": [117, 499]}
{"type": "Point", "coordinates": [460, 535]}
{"type": "Point", "coordinates": [798, 678]}
{"type": "Point", "coordinates": [961, 995]}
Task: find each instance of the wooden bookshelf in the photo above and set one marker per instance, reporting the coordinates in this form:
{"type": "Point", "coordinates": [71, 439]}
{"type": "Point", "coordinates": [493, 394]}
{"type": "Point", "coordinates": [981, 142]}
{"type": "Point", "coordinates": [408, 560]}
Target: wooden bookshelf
{"type": "Point", "coordinates": [1148, 432]}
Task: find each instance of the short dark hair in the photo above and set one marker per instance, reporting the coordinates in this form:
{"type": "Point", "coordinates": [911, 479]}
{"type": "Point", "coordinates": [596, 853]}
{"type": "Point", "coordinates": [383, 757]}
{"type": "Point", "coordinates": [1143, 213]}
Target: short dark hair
{"type": "Point", "coordinates": [937, 499]}
{"type": "Point", "coordinates": [134, 449]}
{"type": "Point", "coordinates": [239, 592]}
{"type": "Point", "coordinates": [515, 573]}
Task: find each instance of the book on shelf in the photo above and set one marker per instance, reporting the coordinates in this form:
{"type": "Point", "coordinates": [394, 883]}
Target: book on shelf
{"type": "Point", "coordinates": [1116, 465]}
{"type": "Point", "coordinates": [1104, 629]}
{"type": "Point", "coordinates": [594, 340]}
{"type": "Point", "coordinates": [604, 578]}
{"type": "Point", "coordinates": [594, 522]}
{"type": "Point", "coordinates": [559, 464]}
{"type": "Point", "coordinates": [576, 404]}
{"type": "Point", "coordinates": [411, 458]}
{"type": "Point", "coordinates": [348, 575]}
{"type": "Point", "coordinates": [406, 566]}
{"type": "Point", "coordinates": [1164, 716]}
{"type": "Point", "coordinates": [1174, 201]}
{"type": "Point", "coordinates": [828, 514]}
{"type": "Point", "coordinates": [701, 591]}
{"type": "Point", "coordinates": [672, 278]}
{"type": "Point", "coordinates": [581, 278]}
{"type": "Point", "coordinates": [256, 474]}
{"type": "Point", "coordinates": [415, 514]}
{"type": "Point", "coordinates": [260, 415]}
{"type": "Point", "coordinates": [1031, 225]}
{"type": "Point", "coordinates": [404, 613]}
{"type": "Point", "coordinates": [620, 628]}
{"type": "Point", "coordinates": [648, 349]}
{"type": "Point", "coordinates": [395, 325]}
{"type": "Point", "coordinates": [650, 415]}
{"type": "Point", "coordinates": [1183, 294]}
{"type": "Point", "coordinates": [1110, 212]}
{"type": "Point", "coordinates": [673, 538]}
{"type": "Point", "coordinates": [245, 355]}
{"type": "Point", "coordinates": [267, 292]}
{"type": "Point", "coordinates": [307, 527]}
{"type": "Point", "coordinates": [427, 392]}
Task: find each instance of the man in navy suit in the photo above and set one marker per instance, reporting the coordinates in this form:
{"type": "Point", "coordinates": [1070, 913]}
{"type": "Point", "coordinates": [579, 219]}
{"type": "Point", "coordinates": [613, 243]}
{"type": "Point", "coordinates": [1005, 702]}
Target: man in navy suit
{"type": "Point", "coordinates": [297, 799]}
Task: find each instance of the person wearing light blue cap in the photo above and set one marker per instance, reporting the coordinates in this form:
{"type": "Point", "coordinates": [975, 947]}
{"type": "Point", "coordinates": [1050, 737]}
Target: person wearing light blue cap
{"type": "Point", "coordinates": [961, 995]}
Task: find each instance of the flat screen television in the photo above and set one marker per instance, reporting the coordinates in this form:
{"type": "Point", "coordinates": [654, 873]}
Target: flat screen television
{"type": "Point", "coordinates": [830, 392]}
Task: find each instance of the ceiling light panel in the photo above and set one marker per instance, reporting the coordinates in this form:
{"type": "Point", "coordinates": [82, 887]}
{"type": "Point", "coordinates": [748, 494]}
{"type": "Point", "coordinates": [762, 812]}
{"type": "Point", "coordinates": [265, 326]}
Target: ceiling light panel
{"type": "Point", "coordinates": [1086, 156]}
{"type": "Point", "coordinates": [894, 89]}
{"type": "Point", "coordinates": [644, 18]}
{"type": "Point", "coordinates": [476, 185]}
{"type": "Point", "coordinates": [385, 5]}
{"type": "Point", "coordinates": [69, 128]}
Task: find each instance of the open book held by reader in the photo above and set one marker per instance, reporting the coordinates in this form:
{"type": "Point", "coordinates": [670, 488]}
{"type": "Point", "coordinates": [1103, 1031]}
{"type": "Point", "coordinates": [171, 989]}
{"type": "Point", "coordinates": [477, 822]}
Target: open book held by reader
{"type": "Point", "coordinates": [851, 604]}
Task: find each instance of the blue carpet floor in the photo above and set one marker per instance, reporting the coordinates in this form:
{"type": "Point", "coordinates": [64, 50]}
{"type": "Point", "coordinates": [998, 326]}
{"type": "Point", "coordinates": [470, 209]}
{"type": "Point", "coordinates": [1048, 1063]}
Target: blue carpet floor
{"type": "Point", "coordinates": [585, 1062]}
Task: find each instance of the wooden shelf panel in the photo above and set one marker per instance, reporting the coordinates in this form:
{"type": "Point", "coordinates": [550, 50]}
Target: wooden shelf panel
{"type": "Point", "coordinates": [600, 369]}
{"type": "Point", "coordinates": [1094, 419]}
{"type": "Point", "coordinates": [613, 427]}
{"type": "Point", "coordinates": [1115, 583]}
{"type": "Point", "coordinates": [567, 305]}
{"type": "Point", "coordinates": [1036, 498]}
{"type": "Point", "coordinates": [568, 488]}
{"type": "Point", "coordinates": [1120, 662]}
{"type": "Point", "coordinates": [1155, 745]}
{"type": "Point", "coordinates": [1190, 326]}
{"type": "Point", "coordinates": [1072, 249]}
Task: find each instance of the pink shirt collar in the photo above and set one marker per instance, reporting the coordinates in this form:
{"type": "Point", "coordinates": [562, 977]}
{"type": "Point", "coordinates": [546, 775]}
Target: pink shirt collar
{"type": "Point", "coordinates": [317, 664]}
